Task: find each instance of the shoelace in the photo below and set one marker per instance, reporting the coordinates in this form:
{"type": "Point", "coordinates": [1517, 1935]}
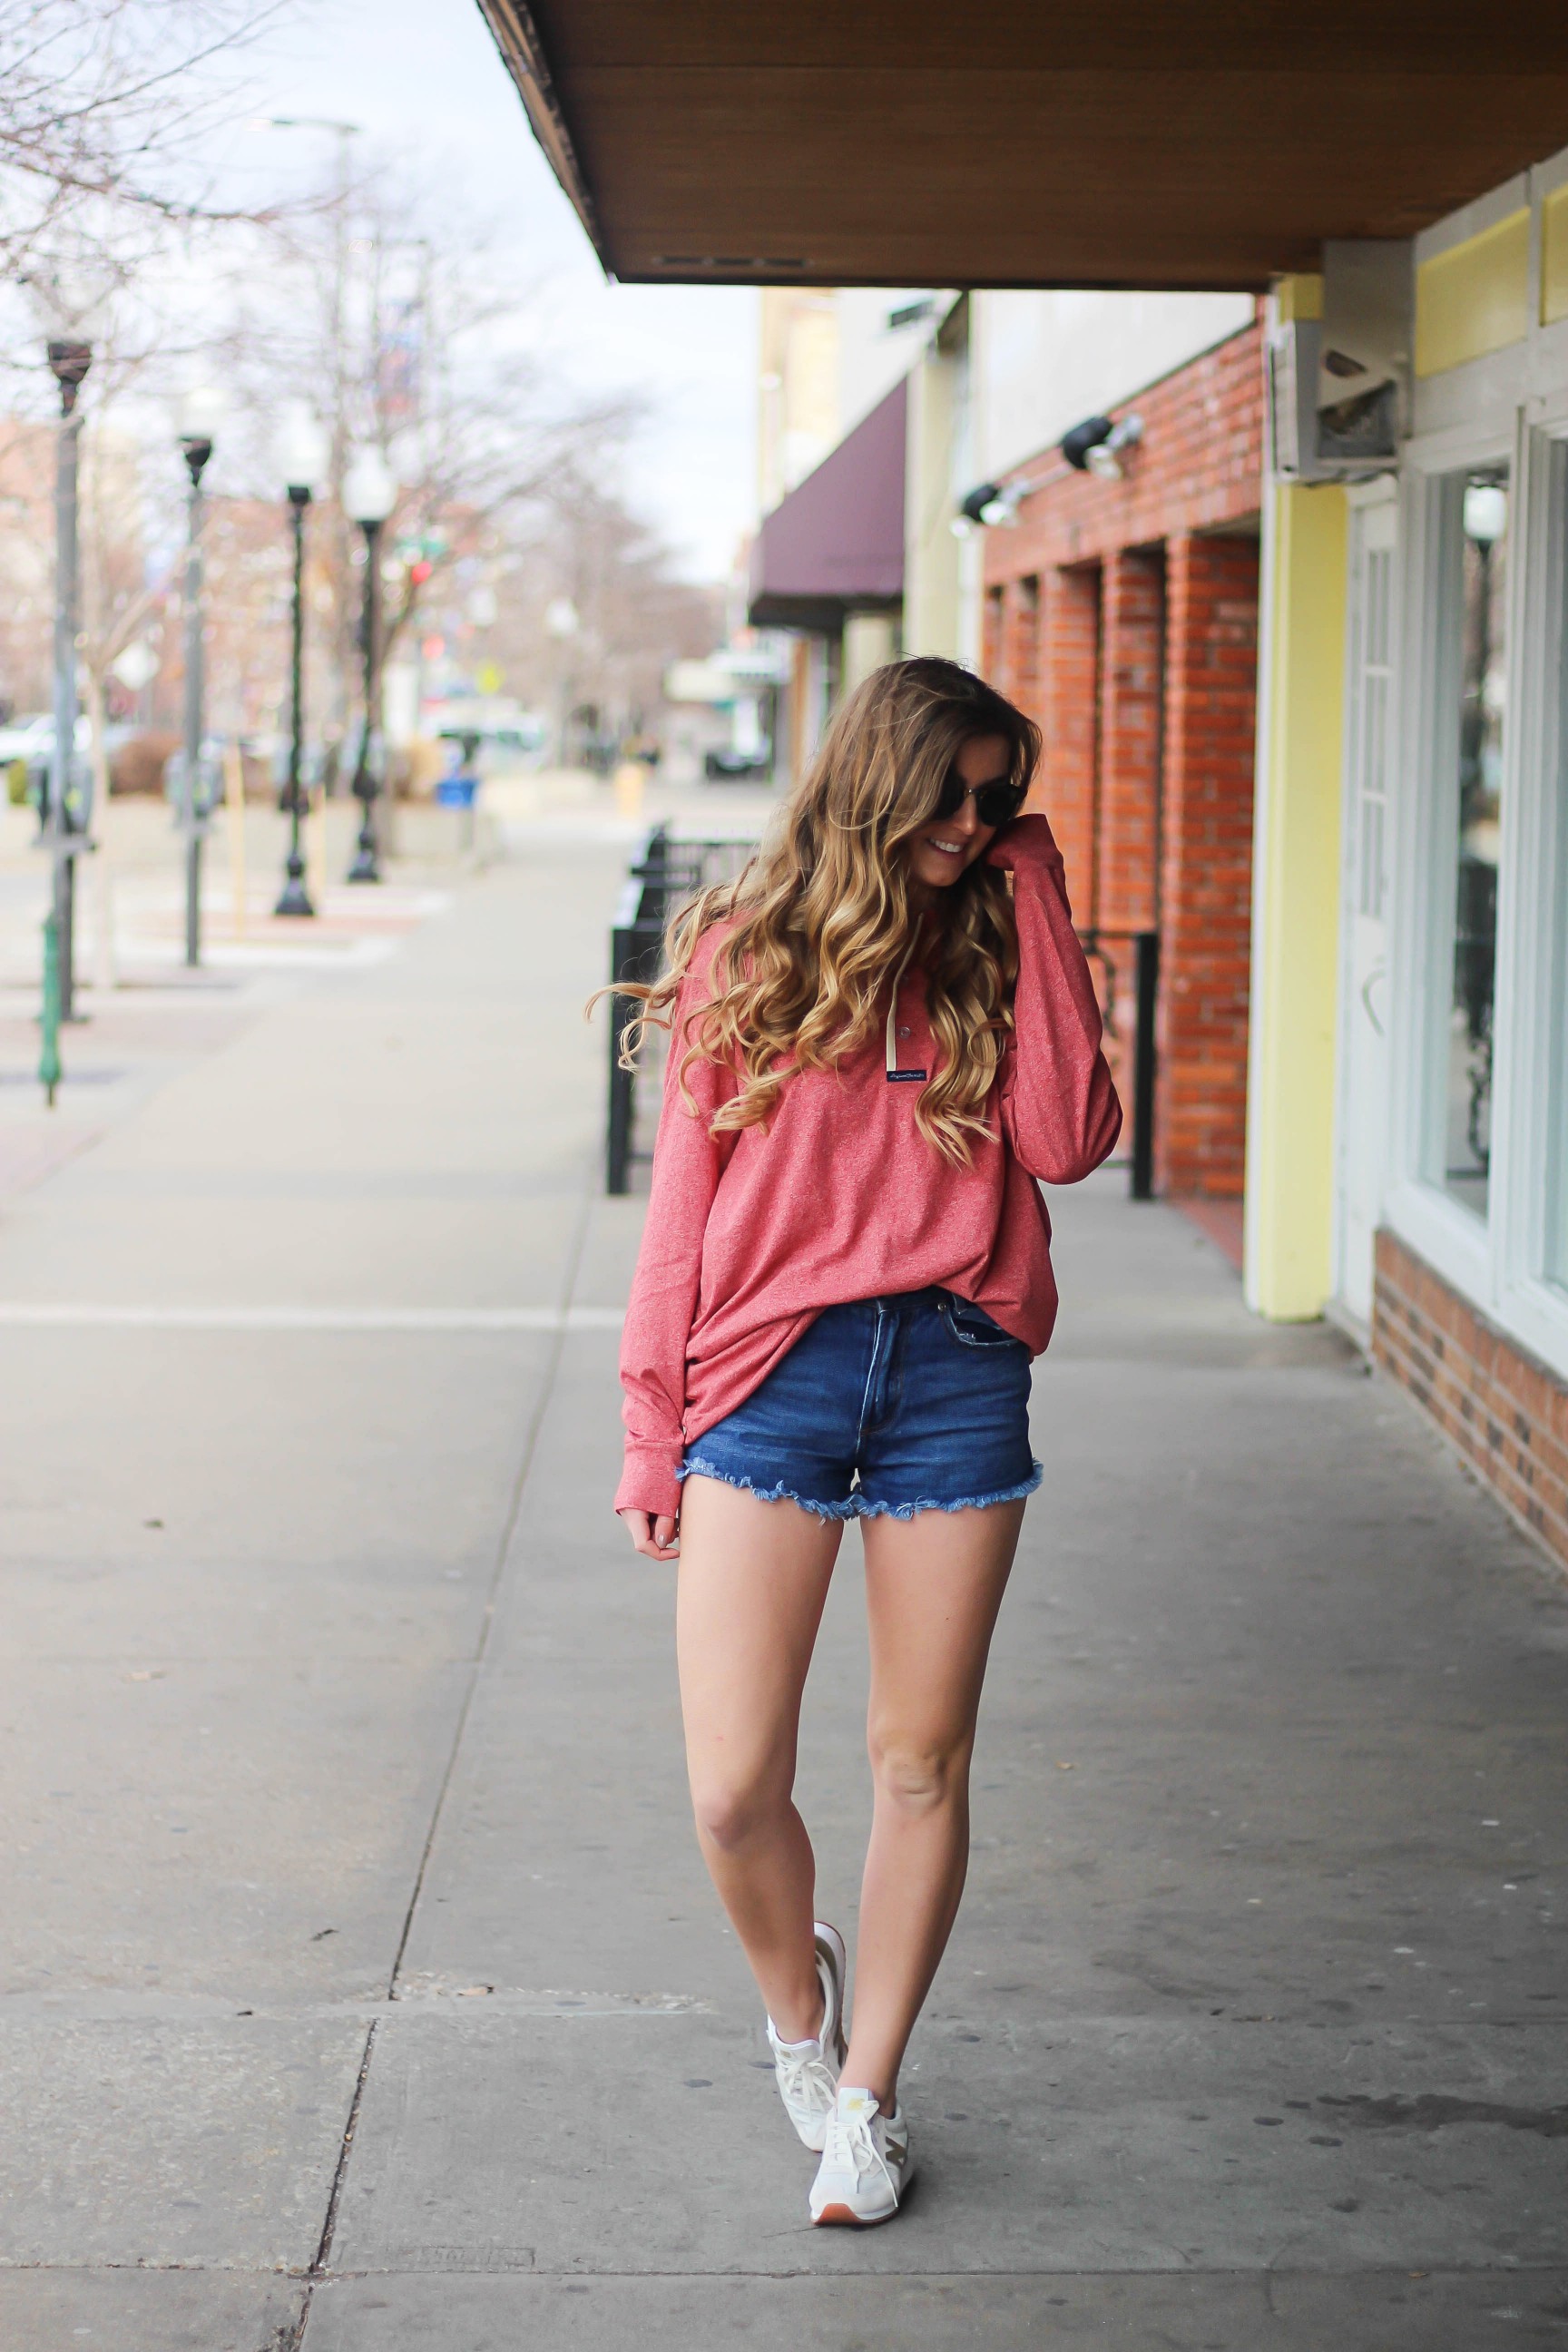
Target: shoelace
{"type": "Point", "coordinates": [800, 2072]}
{"type": "Point", "coordinates": [852, 2130]}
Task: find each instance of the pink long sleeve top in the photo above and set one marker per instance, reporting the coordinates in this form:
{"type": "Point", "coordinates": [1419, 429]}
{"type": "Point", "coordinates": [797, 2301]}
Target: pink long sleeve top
{"type": "Point", "coordinates": [751, 1233]}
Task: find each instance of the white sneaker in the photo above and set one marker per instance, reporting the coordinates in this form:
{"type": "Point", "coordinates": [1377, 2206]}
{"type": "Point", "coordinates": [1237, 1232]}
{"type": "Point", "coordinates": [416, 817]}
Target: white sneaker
{"type": "Point", "coordinates": [808, 2072]}
{"type": "Point", "coordinates": [866, 2165]}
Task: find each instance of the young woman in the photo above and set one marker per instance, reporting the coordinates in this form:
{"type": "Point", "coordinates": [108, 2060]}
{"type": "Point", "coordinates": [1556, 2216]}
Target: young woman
{"type": "Point", "coordinates": [881, 1035]}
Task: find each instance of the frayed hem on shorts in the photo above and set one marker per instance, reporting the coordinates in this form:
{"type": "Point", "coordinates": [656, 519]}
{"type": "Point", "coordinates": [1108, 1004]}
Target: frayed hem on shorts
{"type": "Point", "coordinates": [963, 1503]}
{"type": "Point", "coordinates": [855, 1506]}
{"type": "Point", "coordinates": [779, 1494]}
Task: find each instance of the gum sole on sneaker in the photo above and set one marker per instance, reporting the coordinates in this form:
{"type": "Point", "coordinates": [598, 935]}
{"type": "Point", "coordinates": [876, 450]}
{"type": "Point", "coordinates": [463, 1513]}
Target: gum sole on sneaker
{"type": "Point", "coordinates": [842, 2217]}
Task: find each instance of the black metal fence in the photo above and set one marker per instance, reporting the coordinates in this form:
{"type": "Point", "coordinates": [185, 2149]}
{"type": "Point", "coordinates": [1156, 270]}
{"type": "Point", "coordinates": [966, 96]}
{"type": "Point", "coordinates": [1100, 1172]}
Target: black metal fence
{"type": "Point", "coordinates": [1112, 951]}
{"type": "Point", "coordinates": [665, 873]}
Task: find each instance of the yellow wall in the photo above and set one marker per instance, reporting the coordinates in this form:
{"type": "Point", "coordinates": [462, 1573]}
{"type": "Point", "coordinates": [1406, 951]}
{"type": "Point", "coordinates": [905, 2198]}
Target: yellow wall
{"type": "Point", "coordinates": [1296, 907]}
{"type": "Point", "coordinates": [869, 640]}
{"type": "Point", "coordinates": [797, 387]}
{"type": "Point", "coordinates": [1301, 297]}
{"type": "Point", "coordinates": [931, 611]}
{"type": "Point", "coordinates": [1554, 256]}
{"type": "Point", "coordinates": [1474, 298]}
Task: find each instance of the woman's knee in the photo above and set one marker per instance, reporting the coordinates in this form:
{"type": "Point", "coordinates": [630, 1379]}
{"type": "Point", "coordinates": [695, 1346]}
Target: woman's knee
{"type": "Point", "coordinates": [919, 1772]}
{"type": "Point", "coordinates": [731, 1810]}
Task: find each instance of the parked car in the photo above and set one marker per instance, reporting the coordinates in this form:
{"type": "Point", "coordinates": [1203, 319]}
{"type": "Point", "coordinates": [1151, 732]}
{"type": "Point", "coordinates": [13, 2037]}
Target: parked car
{"type": "Point", "coordinates": [735, 767]}
{"type": "Point", "coordinates": [33, 737]}
{"type": "Point", "coordinates": [27, 748]}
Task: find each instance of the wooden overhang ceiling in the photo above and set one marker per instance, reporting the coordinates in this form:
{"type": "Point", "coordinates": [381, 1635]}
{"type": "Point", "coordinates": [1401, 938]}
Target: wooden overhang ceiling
{"type": "Point", "coordinates": [902, 143]}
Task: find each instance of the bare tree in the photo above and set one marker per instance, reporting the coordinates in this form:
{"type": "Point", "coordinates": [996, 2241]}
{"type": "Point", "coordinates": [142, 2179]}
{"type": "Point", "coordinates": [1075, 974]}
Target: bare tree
{"type": "Point", "coordinates": [634, 614]}
{"type": "Point", "coordinates": [405, 334]}
{"type": "Point", "coordinates": [107, 108]}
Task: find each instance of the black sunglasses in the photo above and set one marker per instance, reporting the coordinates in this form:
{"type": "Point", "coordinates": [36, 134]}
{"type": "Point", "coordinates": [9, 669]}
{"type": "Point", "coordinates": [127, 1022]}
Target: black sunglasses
{"type": "Point", "coordinates": [995, 804]}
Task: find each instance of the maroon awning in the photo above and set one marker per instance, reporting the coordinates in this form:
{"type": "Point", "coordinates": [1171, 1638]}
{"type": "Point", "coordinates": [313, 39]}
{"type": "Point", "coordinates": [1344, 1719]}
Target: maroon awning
{"type": "Point", "coordinates": [836, 545]}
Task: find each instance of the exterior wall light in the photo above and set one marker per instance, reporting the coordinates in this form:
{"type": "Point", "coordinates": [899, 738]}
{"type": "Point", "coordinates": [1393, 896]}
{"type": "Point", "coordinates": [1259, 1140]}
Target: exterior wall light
{"type": "Point", "coordinates": [993, 503]}
{"type": "Point", "coordinates": [1092, 447]}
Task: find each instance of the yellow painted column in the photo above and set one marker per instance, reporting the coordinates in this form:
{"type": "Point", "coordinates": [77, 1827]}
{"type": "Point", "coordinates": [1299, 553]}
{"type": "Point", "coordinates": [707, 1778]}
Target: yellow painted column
{"type": "Point", "coordinates": [931, 618]}
{"type": "Point", "coordinates": [1296, 904]}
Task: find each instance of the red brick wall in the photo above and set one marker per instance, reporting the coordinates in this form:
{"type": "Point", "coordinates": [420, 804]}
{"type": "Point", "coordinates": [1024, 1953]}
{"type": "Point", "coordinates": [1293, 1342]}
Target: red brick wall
{"type": "Point", "coordinates": [1146, 627]}
{"type": "Point", "coordinates": [1021, 643]}
{"type": "Point", "coordinates": [1132, 687]}
{"type": "Point", "coordinates": [1070, 715]}
{"type": "Point", "coordinates": [1206, 883]}
{"type": "Point", "coordinates": [993, 652]}
{"type": "Point", "coordinates": [1506, 1413]}
{"type": "Point", "coordinates": [1198, 468]}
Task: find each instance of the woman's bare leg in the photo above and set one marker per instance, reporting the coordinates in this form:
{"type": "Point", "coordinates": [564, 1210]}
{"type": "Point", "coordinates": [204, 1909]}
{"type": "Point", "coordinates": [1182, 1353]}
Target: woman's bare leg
{"type": "Point", "coordinates": [752, 1581]}
{"type": "Point", "coordinates": [934, 1585]}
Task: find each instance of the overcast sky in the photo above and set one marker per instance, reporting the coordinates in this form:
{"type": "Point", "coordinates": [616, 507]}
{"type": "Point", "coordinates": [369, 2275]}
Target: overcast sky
{"type": "Point", "coordinates": [426, 71]}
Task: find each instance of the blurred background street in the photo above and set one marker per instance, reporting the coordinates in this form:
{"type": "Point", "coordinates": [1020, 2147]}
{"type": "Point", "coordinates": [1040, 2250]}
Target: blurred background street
{"type": "Point", "coordinates": [454, 460]}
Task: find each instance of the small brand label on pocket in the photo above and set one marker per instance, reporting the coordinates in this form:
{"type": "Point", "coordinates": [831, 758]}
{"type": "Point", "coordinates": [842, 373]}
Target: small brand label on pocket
{"type": "Point", "coordinates": [906, 1078]}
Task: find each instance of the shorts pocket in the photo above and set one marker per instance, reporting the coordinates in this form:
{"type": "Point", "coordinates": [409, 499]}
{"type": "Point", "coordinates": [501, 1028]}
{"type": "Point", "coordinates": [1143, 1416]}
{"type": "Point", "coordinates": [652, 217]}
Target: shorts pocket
{"type": "Point", "coordinates": [971, 1326]}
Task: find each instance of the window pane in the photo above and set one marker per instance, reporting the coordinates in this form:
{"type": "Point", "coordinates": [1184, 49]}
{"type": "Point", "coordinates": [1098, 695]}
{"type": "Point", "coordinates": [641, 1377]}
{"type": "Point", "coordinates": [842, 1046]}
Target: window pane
{"type": "Point", "coordinates": [1480, 613]}
{"type": "Point", "coordinates": [1554, 623]}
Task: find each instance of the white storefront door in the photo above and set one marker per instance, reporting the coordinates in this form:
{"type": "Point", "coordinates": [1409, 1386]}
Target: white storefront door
{"type": "Point", "coordinates": [1368, 847]}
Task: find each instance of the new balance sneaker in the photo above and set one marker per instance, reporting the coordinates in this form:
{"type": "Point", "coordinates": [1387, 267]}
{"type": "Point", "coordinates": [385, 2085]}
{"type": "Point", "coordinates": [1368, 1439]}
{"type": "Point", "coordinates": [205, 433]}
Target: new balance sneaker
{"type": "Point", "coordinates": [808, 2072]}
{"type": "Point", "coordinates": [866, 2165]}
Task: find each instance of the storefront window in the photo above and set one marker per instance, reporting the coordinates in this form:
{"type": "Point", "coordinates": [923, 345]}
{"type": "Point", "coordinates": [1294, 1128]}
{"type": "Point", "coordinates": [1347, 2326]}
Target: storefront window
{"type": "Point", "coordinates": [1554, 781]}
{"type": "Point", "coordinates": [1477, 610]}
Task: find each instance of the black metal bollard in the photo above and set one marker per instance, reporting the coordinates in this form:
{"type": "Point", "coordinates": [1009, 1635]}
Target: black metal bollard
{"type": "Point", "coordinates": [635, 945]}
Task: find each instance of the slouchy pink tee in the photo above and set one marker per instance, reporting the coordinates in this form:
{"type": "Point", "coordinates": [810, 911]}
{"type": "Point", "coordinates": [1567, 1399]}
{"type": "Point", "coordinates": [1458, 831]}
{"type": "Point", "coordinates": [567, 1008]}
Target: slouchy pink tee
{"type": "Point", "coordinates": [751, 1233]}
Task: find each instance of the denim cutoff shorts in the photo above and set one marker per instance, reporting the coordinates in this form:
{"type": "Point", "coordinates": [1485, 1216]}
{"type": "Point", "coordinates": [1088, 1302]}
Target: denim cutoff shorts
{"type": "Point", "coordinates": [917, 1402]}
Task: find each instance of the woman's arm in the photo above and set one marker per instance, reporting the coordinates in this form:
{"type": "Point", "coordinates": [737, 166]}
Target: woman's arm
{"type": "Point", "coordinates": [688, 1162]}
{"type": "Point", "coordinates": [1059, 1110]}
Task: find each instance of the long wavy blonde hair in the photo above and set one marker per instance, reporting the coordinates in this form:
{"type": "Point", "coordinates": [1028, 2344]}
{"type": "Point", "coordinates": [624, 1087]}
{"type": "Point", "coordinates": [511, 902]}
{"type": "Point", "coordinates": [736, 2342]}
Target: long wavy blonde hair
{"type": "Point", "coordinates": [824, 916]}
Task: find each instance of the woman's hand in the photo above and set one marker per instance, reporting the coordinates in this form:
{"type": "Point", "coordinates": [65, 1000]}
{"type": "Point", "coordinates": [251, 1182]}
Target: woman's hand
{"type": "Point", "coordinates": [1027, 837]}
{"type": "Point", "coordinates": [654, 1538]}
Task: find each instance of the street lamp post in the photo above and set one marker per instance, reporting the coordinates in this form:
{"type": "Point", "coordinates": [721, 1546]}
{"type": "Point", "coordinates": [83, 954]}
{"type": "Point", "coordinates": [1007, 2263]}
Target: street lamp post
{"type": "Point", "coordinates": [302, 456]}
{"type": "Point", "coordinates": [563, 621]}
{"type": "Point", "coordinates": [69, 359]}
{"type": "Point", "coordinates": [369, 493]}
{"type": "Point", "coordinates": [200, 417]}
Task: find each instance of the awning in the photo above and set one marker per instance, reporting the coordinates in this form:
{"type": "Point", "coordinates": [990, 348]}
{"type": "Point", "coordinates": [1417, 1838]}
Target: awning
{"type": "Point", "coordinates": [836, 545]}
{"type": "Point", "coordinates": [899, 142]}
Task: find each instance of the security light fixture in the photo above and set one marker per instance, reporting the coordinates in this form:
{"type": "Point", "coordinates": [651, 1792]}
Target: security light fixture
{"type": "Point", "coordinates": [989, 503]}
{"type": "Point", "coordinates": [993, 503]}
{"type": "Point", "coordinates": [1093, 446]}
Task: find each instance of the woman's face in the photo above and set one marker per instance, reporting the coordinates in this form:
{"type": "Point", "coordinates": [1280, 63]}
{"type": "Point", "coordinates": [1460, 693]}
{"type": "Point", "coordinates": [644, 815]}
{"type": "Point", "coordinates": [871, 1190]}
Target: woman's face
{"type": "Point", "coordinates": [942, 849]}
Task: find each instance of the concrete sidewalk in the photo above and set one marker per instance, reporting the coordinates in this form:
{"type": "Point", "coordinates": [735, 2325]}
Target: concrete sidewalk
{"type": "Point", "coordinates": [363, 1989]}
